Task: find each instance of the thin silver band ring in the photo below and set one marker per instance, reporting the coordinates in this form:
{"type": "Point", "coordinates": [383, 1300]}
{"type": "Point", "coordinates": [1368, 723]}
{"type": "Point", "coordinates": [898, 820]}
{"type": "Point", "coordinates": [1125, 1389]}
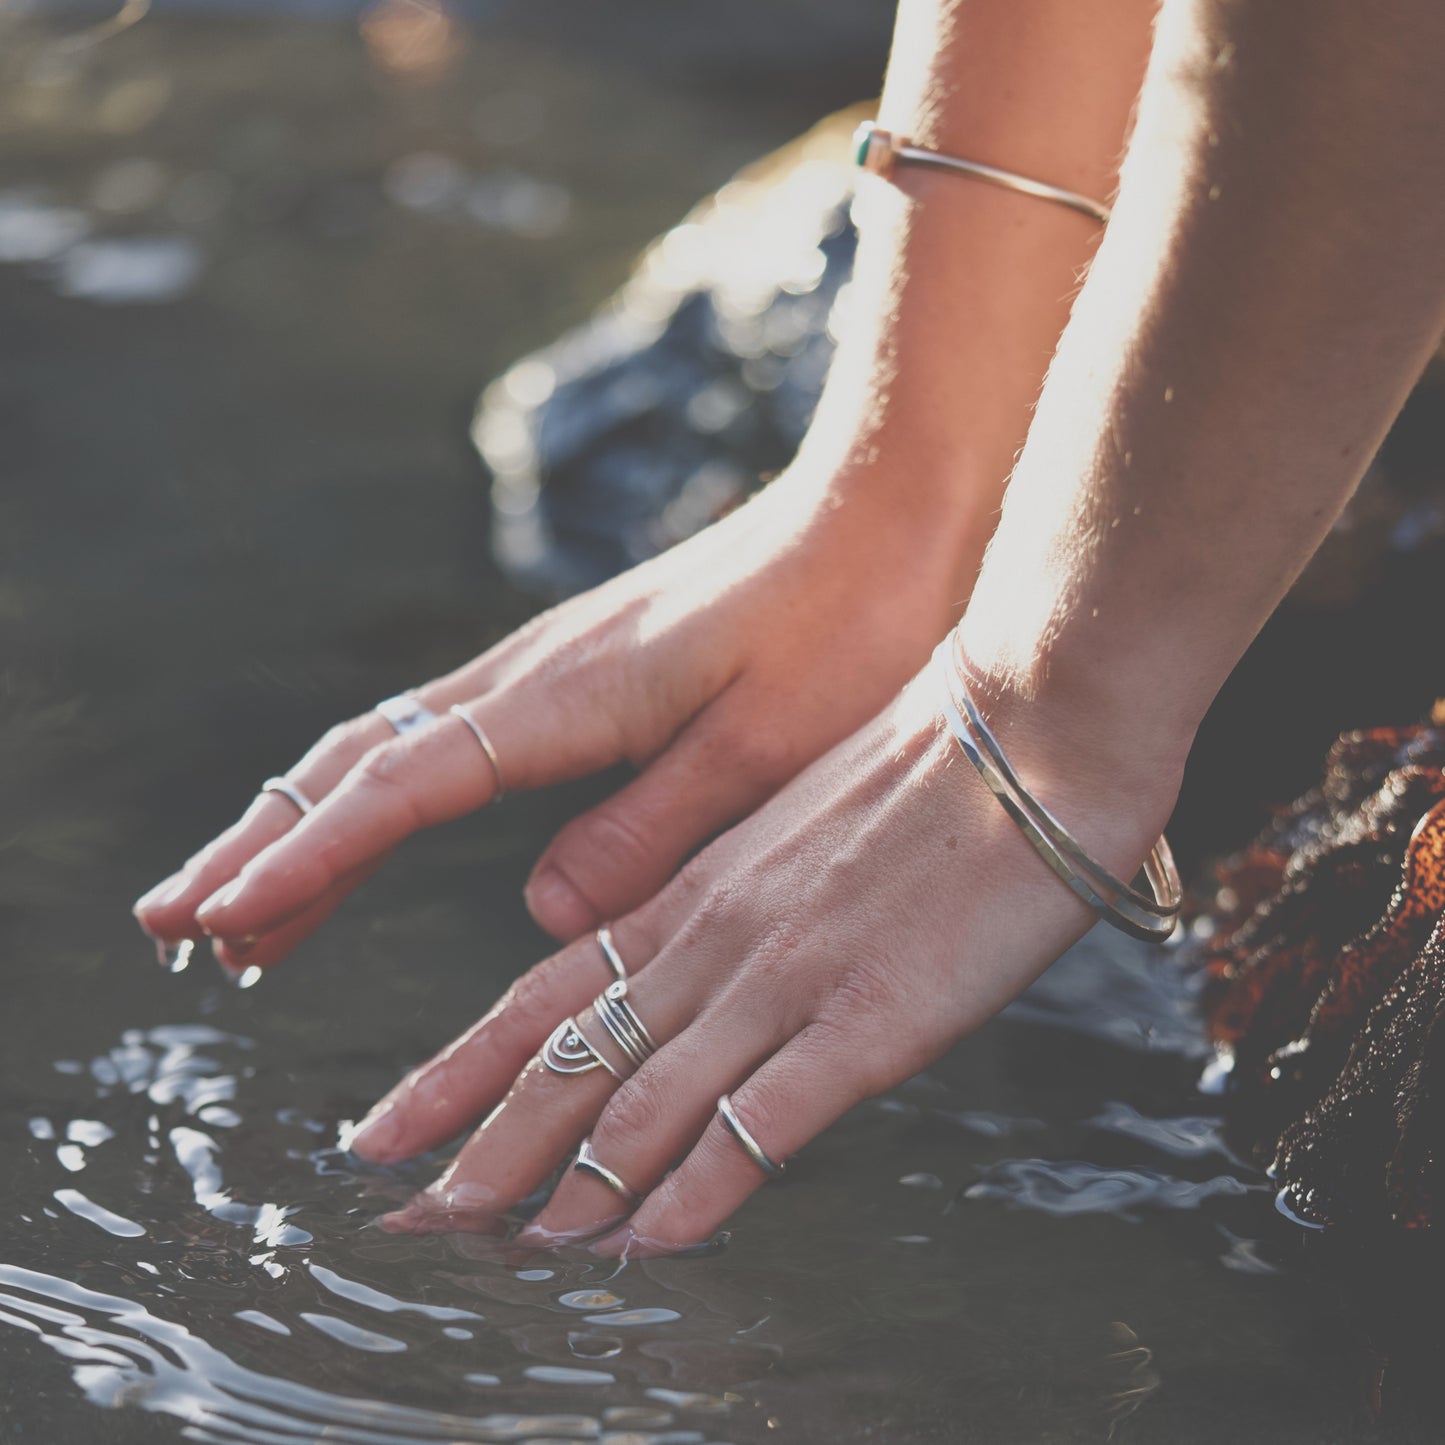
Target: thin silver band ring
{"type": "Point", "coordinates": [610, 953]}
{"type": "Point", "coordinates": [630, 1048]}
{"type": "Point", "coordinates": [405, 712]}
{"type": "Point", "coordinates": [567, 1051]}
{"type": "Point", "coordinates": [589, 1163]}
{"type": "Point", "coordinates": [751, 1147]}
{"type": "Point", "coordinates": [620, 1019]}
{"type": "Point", "coordinates": [458, 711]}
{"type": "Point", "coordinates": [289, 791]}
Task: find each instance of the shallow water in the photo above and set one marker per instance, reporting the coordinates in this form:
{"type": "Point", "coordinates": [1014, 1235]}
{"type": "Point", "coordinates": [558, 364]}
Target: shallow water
{"type": "Point", "coordinates": [1041, 1239]}
{"type": "Point", "coordinates": [238, 503]}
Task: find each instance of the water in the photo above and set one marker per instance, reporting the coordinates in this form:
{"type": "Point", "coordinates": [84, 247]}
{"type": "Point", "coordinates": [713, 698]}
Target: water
{"type": "Point", "coordinates": [238, 503]}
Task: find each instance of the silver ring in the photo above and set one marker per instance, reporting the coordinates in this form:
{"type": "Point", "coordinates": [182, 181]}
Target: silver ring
{"type": "Point", "coordinates": [568, 1052]}
{"type": "Point", "coordinates": [610, 953]}
{"type": "Point", "coordinates": [751, 1147]}
{"type": "Point", "coordinates": [405, 712]}
{"type": "Point", "coordinates": [290, 791]}
{"type": "Point", "coordinates": [589, 1163]}
{"type": "Point", "coordinates": [620, 1019]}
{"type": "Point", "coordinates": [457, 710]}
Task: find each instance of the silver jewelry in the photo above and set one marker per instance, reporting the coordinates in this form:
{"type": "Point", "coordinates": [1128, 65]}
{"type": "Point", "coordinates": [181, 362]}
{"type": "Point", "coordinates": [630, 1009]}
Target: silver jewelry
{"type": "Point", "coordinates": [405, 712]}
{"type": "Point", "coordinates": [1137, 914]}
{"type": "Point", "coordinates": [610, 953]}
{"type": "Point", "coordinates": [290, 791]}
{"type": "Point", "coordinates": [751, 1147]}
{"type": "Point", "coordinates": [568, 1052]}
{"type": "Point", "coordinates": [620, 1019]}
{"type": "Point", "coordinates": [878, 151]}
{"type": "Point", "coordinates": [458, 711]}
{"type": "Point", "coordinates": [589, 1163]}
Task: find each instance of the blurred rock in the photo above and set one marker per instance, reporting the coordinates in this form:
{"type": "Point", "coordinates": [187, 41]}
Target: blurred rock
{"type": "Point", "coordinates": [691, 385]}
{"type": "Point", "coordinates": [698, 380]}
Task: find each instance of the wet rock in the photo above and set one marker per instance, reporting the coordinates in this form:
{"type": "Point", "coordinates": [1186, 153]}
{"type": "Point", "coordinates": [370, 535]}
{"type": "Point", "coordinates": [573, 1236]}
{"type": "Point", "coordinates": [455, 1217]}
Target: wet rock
{"type": "Point", "coordinates": [1328, 986]}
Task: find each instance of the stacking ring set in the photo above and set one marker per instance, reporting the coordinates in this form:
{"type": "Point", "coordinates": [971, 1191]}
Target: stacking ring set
{"type": "Point", "coordinates": [405, 712]}
{"type": "Point", "coordinates": [569, 1051]}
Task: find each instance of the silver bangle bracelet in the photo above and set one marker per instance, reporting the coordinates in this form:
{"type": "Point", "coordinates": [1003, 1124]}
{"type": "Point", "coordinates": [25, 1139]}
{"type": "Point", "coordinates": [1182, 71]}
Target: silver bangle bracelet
{"type": "Point", "coordinates": [1140, 915]}
{"type": "Point", "coordinates": [878, 151]}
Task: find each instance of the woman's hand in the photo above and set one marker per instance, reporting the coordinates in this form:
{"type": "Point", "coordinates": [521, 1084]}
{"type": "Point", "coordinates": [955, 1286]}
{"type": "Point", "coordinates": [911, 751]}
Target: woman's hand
{"type": "Point", "coordinates": [725, 666]}
{"type": "Point", "coordinates": [879, 908]}
{"type": "Point", "coordinates": [713, 669]}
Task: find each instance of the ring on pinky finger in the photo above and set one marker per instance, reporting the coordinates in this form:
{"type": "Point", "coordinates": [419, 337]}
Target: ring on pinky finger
{"type": "Point", "coordinates": [790, 1099]}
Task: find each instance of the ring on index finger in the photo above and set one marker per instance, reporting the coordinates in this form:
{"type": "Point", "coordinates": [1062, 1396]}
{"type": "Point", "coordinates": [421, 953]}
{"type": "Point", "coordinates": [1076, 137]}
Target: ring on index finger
{"type": "Point", "coordinates": [405, 712]}
{"type": "Point", "coordinates": [290, 792]}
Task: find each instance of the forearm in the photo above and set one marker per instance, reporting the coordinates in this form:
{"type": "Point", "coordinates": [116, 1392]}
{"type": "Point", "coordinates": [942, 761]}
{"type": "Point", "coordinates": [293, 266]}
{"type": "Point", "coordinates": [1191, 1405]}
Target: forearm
{"type": "Point", "coordinates": [1270, 286]}
{"type": "Point", "coordinates": [961, 289]}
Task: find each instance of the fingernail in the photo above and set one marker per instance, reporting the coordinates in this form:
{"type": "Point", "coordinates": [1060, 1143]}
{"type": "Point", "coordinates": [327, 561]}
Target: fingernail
{"type": "Point", "coordinates": [165, 892]}
{"type": "Point", "coordinates": [375, 1138]}
{"type": "Point", "coordinates": [221, 898]}
{"type": "Point", "coordinates": [556, 905]}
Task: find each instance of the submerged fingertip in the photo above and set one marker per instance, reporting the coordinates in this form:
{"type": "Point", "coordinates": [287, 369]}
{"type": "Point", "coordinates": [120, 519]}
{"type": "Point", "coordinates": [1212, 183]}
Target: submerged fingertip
{"type": "Point", "coordinates": [376, 1137]}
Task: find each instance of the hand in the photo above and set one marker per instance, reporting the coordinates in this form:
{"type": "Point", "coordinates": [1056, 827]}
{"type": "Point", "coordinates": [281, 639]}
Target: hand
{"type": "Point", "coordinates": [712, 669]}
{"type": "Point", "coordinates": [879, 908]}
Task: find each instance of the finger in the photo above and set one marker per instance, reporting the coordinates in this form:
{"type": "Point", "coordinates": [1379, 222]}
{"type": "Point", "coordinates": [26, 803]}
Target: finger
{"type": "Point", "coordinates": [790, 1099]}
{"type": "Point", "coordinates": [428, 776]}
{"type": "Point", "coordinates": [653, 1119]}
{"type": "Point", "coordinates": [543, 1118]}
{"type": "Point", "coordinates": [437, 1101]}
{"type": "Point", "coordinates": [612, 859]}
{"type": "Point", "coordinates": [237, 954]}
{"type": "Point", "coordinates": [168, 911]}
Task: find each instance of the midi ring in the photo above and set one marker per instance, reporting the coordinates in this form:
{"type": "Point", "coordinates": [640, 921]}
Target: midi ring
{"type": "Point", "coordinates": [567, 1051]}
{"type": "Point", "coordinates": [751, 1147]}
{"type": "Point", "coordinates": [610, 953]}
{"type": "Point", "coordinates": [616, 1014]}
{"type": "Point", "coordinates": [405, 712]}
{"type": "Point", "coordinates": [289, 791]}
{"type": "Point", "coordinates": [589, 1163]}
{"type": "Point", "coordinates": [458, 711]}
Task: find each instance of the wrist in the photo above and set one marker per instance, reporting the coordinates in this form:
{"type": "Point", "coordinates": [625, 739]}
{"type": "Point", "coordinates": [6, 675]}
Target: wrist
{"type": "Point", "coordinates": [1087, 742]}
{"type": "Point", "coordinates": [906, 505]}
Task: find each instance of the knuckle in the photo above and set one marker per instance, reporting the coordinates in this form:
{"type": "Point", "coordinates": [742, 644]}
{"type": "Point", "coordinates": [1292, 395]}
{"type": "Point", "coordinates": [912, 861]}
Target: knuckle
{"type": "Point", "coordinates": [383, 767]}
{"type": "Point", "coordinates": [341, 741]}
{"type": "Point", "coordinates": [530, 1003]}
{"type": "Point", "coordinates": [850, 1027]}
{"type": "Point", "coordinates": [637, 1111]}
{"type": "Point", "coordinates": [688, 1193]}
{"type": "Point", "coordinates": [717, 905]}
{"type": "Point", "coordinates": [605, 839]}
{"type": "Point", "coordinates": [863, 990]}
{"type": "Point", "coordinates": [694, 879]}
